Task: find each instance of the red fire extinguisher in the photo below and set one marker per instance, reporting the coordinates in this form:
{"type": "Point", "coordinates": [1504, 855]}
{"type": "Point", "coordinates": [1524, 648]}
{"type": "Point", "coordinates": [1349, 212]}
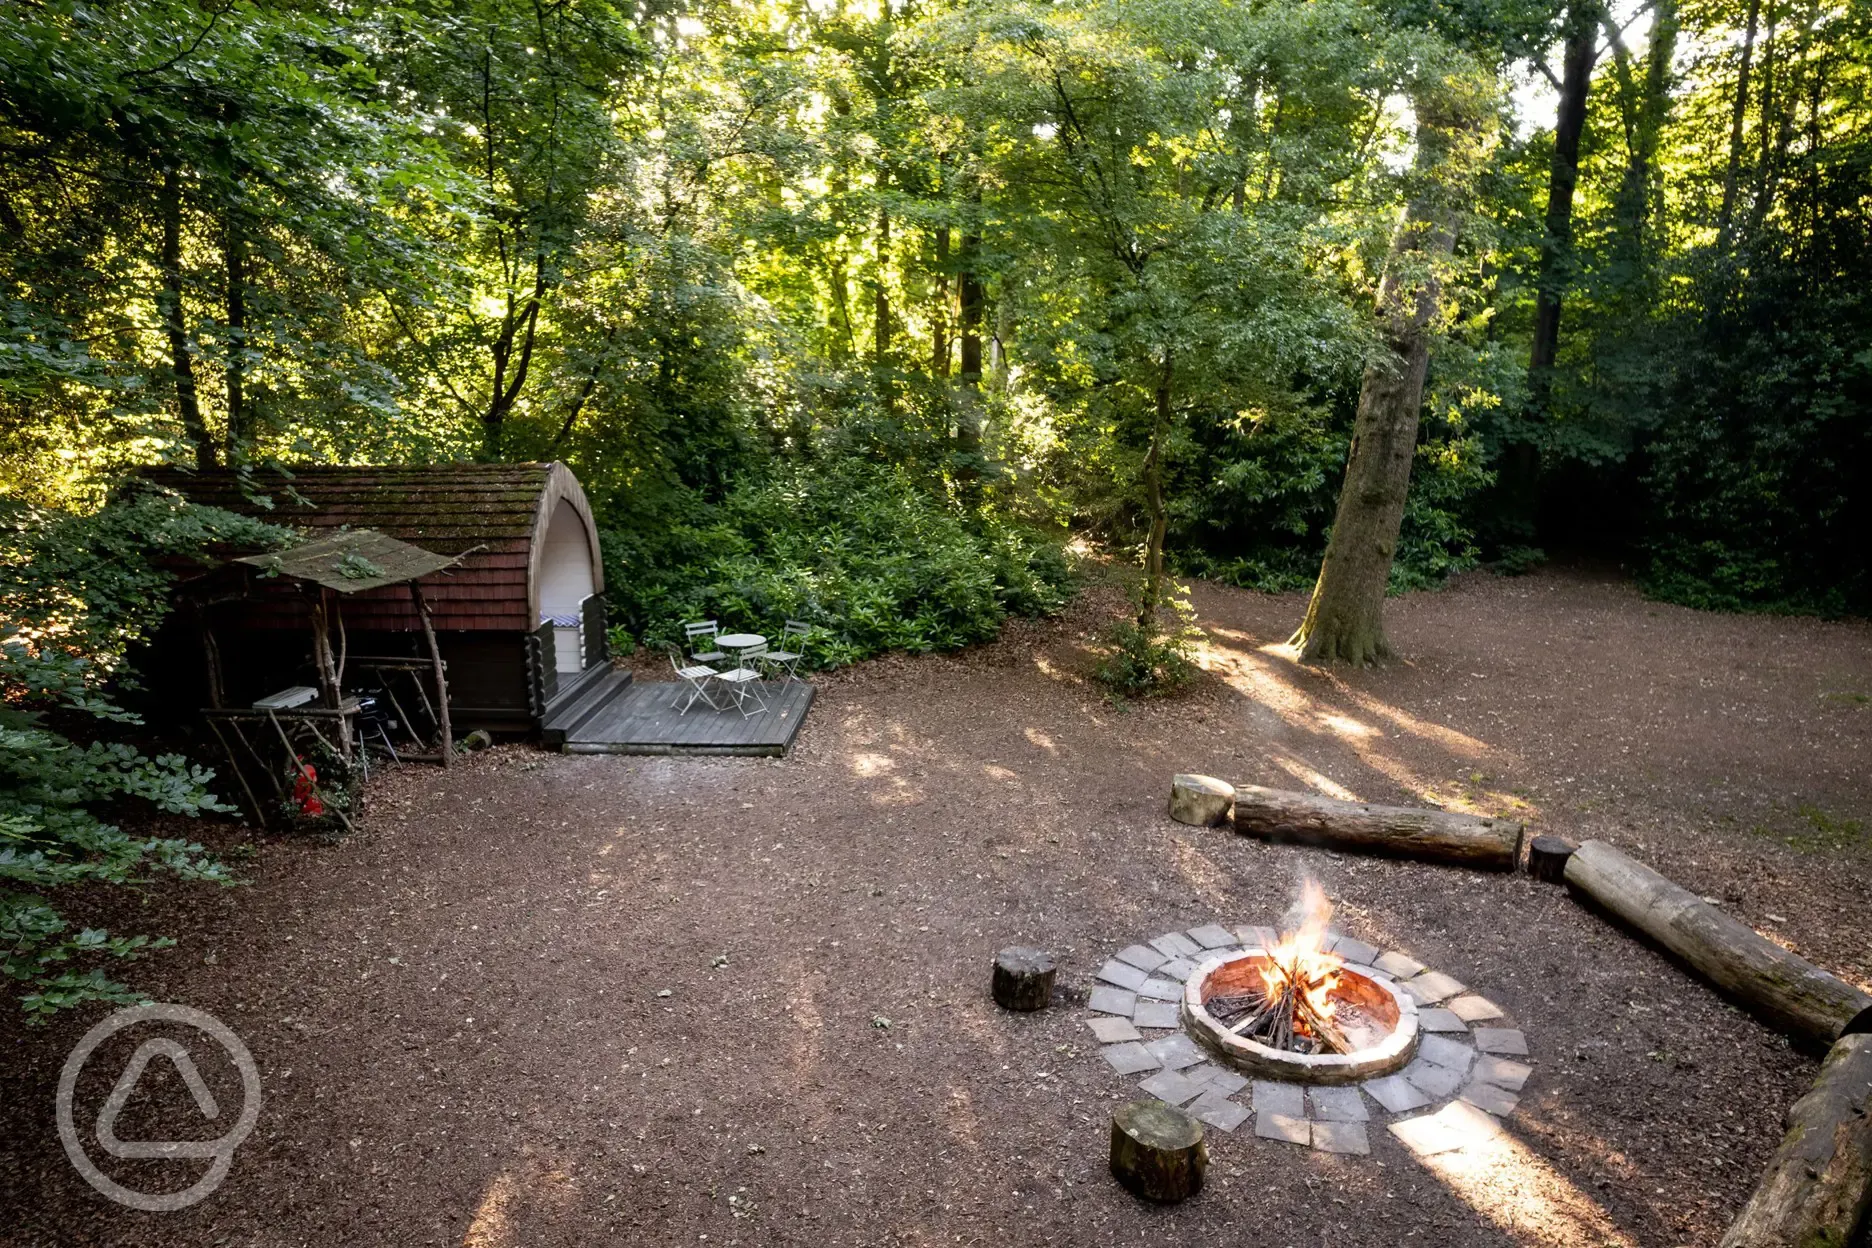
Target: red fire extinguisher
{"type": "Point", "coordinates": [305, 788]}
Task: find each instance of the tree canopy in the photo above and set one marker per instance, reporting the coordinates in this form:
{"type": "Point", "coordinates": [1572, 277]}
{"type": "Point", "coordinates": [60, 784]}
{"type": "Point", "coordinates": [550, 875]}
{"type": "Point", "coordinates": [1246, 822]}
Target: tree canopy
{"type": "Point", "coordinates": [851, 310]}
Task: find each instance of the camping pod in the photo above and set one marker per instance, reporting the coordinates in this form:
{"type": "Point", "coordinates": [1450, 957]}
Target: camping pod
{"type": "Point", "coordinates": [518, 614]}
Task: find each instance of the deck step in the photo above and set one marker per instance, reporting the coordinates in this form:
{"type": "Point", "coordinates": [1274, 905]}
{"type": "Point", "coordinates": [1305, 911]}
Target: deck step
{"type": "Point", "coordinates": [580, 705]}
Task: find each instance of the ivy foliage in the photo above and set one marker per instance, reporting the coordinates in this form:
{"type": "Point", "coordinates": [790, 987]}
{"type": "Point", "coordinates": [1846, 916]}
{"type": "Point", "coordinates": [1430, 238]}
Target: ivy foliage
{"type": "Point", "coordinates": [82, 588]}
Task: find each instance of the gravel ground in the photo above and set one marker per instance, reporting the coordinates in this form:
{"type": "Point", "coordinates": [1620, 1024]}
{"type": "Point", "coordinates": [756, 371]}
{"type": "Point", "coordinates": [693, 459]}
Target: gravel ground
{"type": "Point", "coordinates": [570, 1000]}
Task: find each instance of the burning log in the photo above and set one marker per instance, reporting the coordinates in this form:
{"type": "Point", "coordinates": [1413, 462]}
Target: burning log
{"type": "Point", "coordinates": [1819, 1183]}
{"type": "Point", "coordinates": [1276, 1019]}
{"type": "Point", "coordinates": [1321, 1026]}
{"type": "Point", "coordinates": [1784, 988]}
{"type": "Point", "coordinates": [1403, 831]}
{"type": "Point", "coordinates": [1157, 1151]}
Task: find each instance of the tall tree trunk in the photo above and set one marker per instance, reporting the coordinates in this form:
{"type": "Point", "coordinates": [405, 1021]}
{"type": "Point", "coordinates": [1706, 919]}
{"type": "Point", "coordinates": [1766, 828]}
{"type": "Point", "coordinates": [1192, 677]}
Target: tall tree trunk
{"type": "Point", "coordinates": [234, 254]}
{"type": "Point", "coordinates": [881, 315]}
{"type": "Point", "coordinates": [1154, 496]}
{"type": "Point", "coordinates": [513, 350]}
{"type": "Point", "coordinates": [1582, 52]}
{"type": "Point", "coordinates": [939, 320]}
{"type": "Point", "coordinates": [1638, 196]}
{"type": "Point", "coordinates": [1345, 619]}
{"type": "Point", "coordinates": [1725, 216]}
{"type": "Point", "coordinates": [972, 300]}
{"type": "Point", "coordinates": [169, 310]}
{"type": "Point", "coordinates": [1778, 115]}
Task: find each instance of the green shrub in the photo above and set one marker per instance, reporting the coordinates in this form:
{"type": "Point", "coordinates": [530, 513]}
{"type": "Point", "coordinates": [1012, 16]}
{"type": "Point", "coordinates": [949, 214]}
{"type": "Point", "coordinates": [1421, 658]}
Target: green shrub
{"type": "Point", "coordinates": [856, 549]}
{"type": "Point", "coordinates": [79, 589]}
{"type": "Point", "coordinates": [1261, 518]}
{"type": "Point", "coordinates": [1151, 654]}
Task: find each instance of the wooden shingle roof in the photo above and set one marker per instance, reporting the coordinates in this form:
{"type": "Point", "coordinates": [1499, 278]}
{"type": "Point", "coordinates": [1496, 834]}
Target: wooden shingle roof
{"type": "Point", "coordinates": [489, 515]}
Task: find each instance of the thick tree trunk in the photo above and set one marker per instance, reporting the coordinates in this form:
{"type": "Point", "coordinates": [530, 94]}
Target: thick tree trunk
{"type": "Point", "coordinates": [1345, 619]}
{"type": "Point", "coordinates": [234, 255]}
{"type": "Point", "coordinates": [1363, 827]}
{"type": "Point", "coordinates": [1783, 988]}
{"type": "Point", "coordinates": [1818, 1185]}
{"type": "Point", "coordinates": [1582, 52]}
{"type": "Point", "coordinates": [169, 309]}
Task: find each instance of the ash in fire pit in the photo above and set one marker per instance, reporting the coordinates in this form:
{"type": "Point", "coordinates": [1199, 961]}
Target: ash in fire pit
{"type": "Point", "coordinates": [1295, 1011]}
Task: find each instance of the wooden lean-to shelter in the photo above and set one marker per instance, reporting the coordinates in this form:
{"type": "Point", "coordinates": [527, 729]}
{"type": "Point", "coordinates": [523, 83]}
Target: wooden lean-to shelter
{"type": "Point", "coordinates": [505, 574]}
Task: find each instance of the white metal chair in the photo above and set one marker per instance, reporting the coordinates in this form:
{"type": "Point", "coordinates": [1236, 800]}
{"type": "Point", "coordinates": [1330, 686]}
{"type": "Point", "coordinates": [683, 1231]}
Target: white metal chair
{"type": "Point", "coordinates": [703, 633]}
{"type": "Point", "coordinates": [696, 676]}
{"type": "Point", "coordinates": [788, 661]}
{"type": "Point", "coordinates": [743, 681]}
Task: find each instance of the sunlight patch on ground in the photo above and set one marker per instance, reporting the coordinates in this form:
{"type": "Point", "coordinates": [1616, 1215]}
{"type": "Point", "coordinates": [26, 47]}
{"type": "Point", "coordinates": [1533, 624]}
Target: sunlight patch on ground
{"type": "Point", "coordinates": [1313, 779]}
{"type": "Point", "coordinates": [962, 1120]}
{"type": "Point", "coordinates": [1401, 775]}
{"type": "Point", "coordinates": [1201, 872]}
{"type": "Point", "coordinates": [994, 771]}
{"type": "Point", "coordinates": [1459, 743]}
{"type": "Point", "coordinates": [1519, 1191]}
{"type": "Point", "coordinates": [806, 1039]}
{"type": "Point", "coordinates": [1042, 740]}
{"type": "Point", "coordinates": [868, 765]}
{"type": "Point", "coordinates": [491, 1226]}
{"type": "Point", "coordinates": [1346, 726]}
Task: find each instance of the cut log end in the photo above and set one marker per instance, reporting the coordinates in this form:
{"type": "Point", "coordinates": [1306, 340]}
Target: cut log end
{"type": "Point", "coordinates": [1157, 1151]}
{"type": "Point", "coordinates": [1201, 801]}
{"type": "Point", "coordinates": [1023, 978]}
{"type": "Point", "coordinates": [1547, 858]}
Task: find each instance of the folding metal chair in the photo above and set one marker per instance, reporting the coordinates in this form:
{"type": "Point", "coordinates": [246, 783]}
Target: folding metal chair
{"type": "Point", "coordinates": [788, 661]}
{"type": "Point", "coordinates": [373, 720]}
{"type": "Point", "coordinates": [699, 633]}
{"type": "Point", "coordinates": [743, 681]}
{"type": "Point", "coordinates": [696, 676]}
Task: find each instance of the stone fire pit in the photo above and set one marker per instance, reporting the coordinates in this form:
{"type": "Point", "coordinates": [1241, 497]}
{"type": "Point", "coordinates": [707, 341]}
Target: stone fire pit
{"type": "Point", "coordinates": [1433, 1061]}
{"type": "Point", "coordinates": [1379, 1019]}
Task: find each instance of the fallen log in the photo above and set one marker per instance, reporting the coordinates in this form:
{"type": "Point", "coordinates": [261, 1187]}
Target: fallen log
{"type": "Point", "coordinates": [1783, 988]}
{"type": "Point", "coordinates": [1819, 1182]}
{"type": "Point", "coordinates": [1401, 831]}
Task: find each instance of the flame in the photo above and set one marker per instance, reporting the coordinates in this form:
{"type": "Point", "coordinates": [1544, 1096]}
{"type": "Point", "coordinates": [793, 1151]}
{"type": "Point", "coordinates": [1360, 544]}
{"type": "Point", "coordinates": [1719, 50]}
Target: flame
{"type": "Point", "coordinates": [1298, 953]}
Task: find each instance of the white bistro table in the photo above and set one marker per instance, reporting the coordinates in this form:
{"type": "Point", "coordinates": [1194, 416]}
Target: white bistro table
{"type": "Point", "coordinates": [740, 641]}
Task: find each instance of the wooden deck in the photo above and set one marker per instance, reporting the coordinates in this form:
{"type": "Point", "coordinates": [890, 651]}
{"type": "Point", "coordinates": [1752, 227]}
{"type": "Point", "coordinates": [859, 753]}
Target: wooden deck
{"type": "Point", "coordinates": [644, 720]}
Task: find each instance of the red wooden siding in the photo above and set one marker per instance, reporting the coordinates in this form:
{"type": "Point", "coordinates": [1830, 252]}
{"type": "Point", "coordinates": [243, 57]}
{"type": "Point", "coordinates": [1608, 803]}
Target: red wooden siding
{"type": "Point", "coordinates": [484, 513]}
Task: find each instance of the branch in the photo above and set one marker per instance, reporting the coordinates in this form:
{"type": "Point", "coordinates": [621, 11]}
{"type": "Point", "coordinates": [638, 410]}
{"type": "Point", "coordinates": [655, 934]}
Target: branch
{"type": "Point", "coordinates": [214, 15]}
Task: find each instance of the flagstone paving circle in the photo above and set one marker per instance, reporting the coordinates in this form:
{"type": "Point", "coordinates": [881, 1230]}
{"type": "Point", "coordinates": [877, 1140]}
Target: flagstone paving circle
{"type": "Point", "coordinates": [1461, 1083]}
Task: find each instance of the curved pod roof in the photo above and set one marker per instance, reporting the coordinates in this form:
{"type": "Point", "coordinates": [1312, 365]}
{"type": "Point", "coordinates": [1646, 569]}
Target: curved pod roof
{"type": "Point", "coordinates": [492, 517]}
